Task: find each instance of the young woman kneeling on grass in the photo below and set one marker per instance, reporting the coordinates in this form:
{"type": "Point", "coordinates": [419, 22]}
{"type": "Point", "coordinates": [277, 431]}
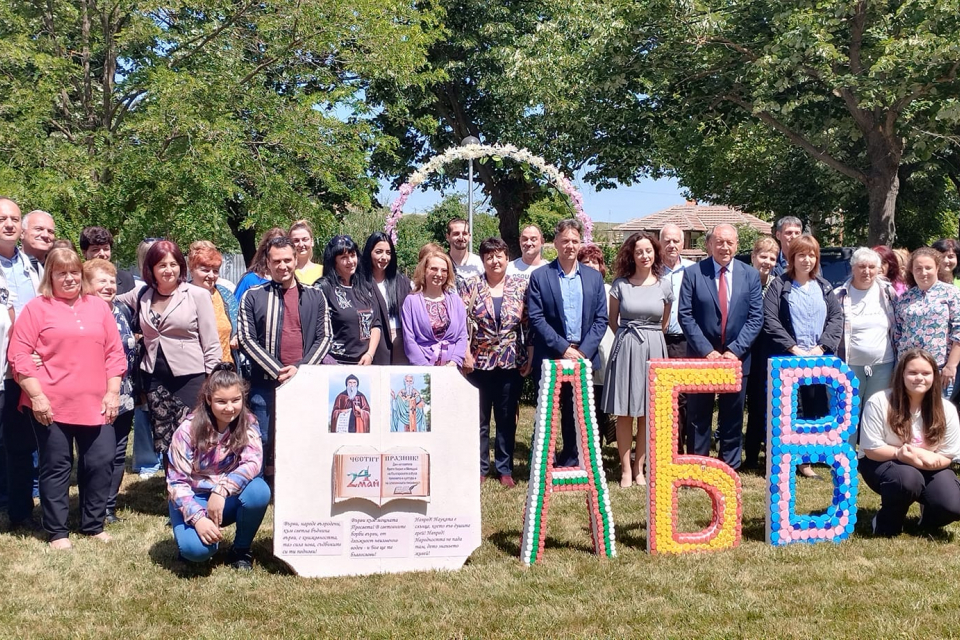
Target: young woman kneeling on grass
{"type": "Point", "coordinates": [214, 474]}
{"type": "Point", "coordinates": [909, 436]}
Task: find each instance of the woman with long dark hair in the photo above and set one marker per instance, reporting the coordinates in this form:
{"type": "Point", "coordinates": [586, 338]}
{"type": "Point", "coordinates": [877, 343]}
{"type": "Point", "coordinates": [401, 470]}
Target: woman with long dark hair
{"type": "Point", "coordinates": [378, 268]}
{"type": "Point", "coordinates": [639, 313]}
{"type": "Point", "coordinates": [908, 438]}
{"type": "Point", "coordinates": [213, 479]}
{"type": "Point", "coordinates": [949, 269]}
{"type": "Point", "coordinates": [354, 318]}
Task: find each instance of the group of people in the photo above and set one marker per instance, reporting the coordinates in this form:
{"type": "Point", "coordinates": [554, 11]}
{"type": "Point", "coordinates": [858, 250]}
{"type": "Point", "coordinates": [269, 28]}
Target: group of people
{"type": "Point", "coordinates": [88, 347]}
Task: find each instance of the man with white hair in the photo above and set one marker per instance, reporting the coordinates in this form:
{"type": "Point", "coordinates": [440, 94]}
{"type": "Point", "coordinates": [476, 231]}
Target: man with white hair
{"type": "Point", "coordinates": [39, 232]}
{"type": "Point", "coordinates": [671, 245]}
{"type": "Point", "coordinates": [351, 410]}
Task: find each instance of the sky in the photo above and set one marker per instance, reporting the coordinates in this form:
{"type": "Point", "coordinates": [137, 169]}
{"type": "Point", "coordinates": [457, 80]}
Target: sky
{"type": "Point", "coordinates": [610, 205]}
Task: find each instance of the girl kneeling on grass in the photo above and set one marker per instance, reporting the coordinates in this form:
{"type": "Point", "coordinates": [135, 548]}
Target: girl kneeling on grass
{"type": "Point", "coordinates": [214, 474]}
{"type": "Point", "coordinates": [908, 438]}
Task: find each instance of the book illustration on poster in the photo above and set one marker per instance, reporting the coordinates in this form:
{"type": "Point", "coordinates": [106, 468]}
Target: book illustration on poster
{"type": "Point", "coordinates": [365, 473]}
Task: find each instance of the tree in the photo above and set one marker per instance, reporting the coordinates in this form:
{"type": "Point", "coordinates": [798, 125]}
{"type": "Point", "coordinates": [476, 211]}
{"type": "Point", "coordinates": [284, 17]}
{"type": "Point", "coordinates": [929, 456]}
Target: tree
{"type": "Point", "coordinates": [470, 93]}
{"type": "Point", "coordinates": [205, 119]}
{"type": "Point", "coordinates": [861, 88]}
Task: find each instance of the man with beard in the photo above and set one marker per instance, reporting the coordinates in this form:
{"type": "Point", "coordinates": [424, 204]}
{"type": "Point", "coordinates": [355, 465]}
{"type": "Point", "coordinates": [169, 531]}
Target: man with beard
{"type": "Point", "coordinates": [351, 411]}
{"type": "Point", "coordinates": [467, 265]}
{"type": "Point", "coordinates": [408, 407]}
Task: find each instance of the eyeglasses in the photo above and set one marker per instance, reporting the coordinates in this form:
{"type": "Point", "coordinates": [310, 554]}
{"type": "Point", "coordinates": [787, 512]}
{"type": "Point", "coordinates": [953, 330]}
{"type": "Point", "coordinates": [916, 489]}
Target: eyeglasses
{"type": "Point", "coordinates": [153, 239]}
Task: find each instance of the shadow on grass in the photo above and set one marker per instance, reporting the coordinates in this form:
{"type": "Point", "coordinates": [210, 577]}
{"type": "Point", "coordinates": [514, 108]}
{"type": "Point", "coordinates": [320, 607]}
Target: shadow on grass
{"type": "Point", "coordinates": [509, 543]}
{"type": "Point", "coordinates": [148, 497]}
{"type": "Point", "coordinates": [633, 535]}
{"type": "Point", "coordinates": [164, 553]}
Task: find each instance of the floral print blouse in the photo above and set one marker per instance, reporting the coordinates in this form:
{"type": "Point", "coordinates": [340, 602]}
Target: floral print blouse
{"type": "Point", "coordinates": [219, 468]}
{"type": "Point", "coordinates": [928, 320]}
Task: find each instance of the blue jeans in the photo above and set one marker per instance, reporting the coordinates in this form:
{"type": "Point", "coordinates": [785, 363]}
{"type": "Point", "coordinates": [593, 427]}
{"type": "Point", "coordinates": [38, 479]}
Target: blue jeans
{"type": "Point", "coordinates": [145, 458]}
{"type": "Point", "coordinates": [263, 402]}
{"type": "Point", "coordinates": [246, 509]}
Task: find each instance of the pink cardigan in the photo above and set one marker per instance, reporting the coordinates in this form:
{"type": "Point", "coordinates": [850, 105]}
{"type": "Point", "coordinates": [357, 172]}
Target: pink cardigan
{"type": "Point", "coordinates": [80, 348]}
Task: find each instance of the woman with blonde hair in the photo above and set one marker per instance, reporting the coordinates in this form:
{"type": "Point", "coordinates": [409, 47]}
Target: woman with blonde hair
{"type": "Point", "coordinates": [74, 395]}
{"type": "Point", "coordinates": [433, 317]}
{"type": "Point", "coordinates": [301, 235]}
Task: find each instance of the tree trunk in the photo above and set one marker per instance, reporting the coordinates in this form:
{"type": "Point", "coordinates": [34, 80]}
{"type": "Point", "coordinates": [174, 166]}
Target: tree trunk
{"type": "Point", "coordinates": [246, 238]}
{"type": "Point", "coordinates": [884, 152]}
{"type": "Point", "coordinates": [510, 196]}
{"type": "Point", "coordinates": [882, 194]}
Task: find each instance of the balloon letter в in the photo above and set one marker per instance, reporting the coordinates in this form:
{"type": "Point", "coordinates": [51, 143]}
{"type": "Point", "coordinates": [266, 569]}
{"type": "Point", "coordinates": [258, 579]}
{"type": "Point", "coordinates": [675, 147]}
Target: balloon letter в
{"type": "Point", "coordinates": [792, 441]}
{"type": "Point", "coordinates": [669, 471]}
{"type": "Point", "coordinates": [588, 476]}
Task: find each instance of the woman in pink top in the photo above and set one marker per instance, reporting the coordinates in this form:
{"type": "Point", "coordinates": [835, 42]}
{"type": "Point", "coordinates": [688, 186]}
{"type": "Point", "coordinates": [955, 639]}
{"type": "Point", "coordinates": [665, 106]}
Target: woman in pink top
{"type": "Point", "coordinates": [74, 394]}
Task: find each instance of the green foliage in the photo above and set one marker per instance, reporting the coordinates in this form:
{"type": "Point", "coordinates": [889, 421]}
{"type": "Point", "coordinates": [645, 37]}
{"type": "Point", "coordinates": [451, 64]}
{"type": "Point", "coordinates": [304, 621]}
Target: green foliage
{"type": "Point", "coordinates": [471, 91]}
{"type": "Point", "coordinates": [454, 206]}
{"type": "Point", "coordinates": [782, 107]}
{"type": "Point", "coordinates": [209, 121]}
{"type": "Point", "coordinates": [546, 213]}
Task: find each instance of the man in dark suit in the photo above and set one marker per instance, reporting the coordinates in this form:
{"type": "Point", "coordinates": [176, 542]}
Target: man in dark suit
{"type": "Point", "coordinates": [567, 307]}
{"type": "Point", "coordinates": [721, 313]}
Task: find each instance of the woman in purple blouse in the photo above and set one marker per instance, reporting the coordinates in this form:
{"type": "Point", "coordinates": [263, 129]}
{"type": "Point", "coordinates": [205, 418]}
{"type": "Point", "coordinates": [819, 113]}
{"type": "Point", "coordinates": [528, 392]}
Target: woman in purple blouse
{"type": "Point", "coordinates": [433, 317]}
{"type": "Point", "coordinates": [214, 474]}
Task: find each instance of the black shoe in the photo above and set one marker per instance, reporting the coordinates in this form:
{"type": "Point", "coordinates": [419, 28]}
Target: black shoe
{"type": "Point", "coordinates": [241, 560]}
{"type": "Point", "coordinates": [27, 525]}
{"type": "Point", "coordinates": [111, 517]}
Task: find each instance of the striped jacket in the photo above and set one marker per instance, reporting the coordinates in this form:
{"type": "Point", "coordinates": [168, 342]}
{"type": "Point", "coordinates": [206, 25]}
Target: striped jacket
{"type": "Point", "coordinates": [260, 323]}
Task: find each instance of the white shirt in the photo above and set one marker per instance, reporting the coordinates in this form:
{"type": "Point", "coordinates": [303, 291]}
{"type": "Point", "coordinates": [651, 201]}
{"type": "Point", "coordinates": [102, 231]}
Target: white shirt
{"type": "Point", "coordinates": [382, 286]}
{"type": "Point", "coordinates": [869, 328]}
{"type": "Point", "coordinates": [875, 432]}
{"type": "Point", "coordinates": [675, 276]}
{"type": "Point", "coordinates": [519, 267]}
{"type": "Point", "coordinates": [728, 276]}
{"type": "Point", "coordinates": [473, 267]}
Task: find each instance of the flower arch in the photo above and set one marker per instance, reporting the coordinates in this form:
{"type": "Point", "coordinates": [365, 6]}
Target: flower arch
{"type": "Point", "coordinates": [476, 151]}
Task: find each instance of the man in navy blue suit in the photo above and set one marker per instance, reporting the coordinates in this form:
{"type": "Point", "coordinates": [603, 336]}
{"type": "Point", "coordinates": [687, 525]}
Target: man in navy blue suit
{"type": "Point", "coordinates": [567, 307]}
{"type": "Point", "coordinates": [721, 313]}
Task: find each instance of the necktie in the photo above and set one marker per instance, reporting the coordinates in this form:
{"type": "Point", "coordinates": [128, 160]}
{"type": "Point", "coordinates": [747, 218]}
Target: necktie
{"type": "Point", "coordinates": [723, 305]}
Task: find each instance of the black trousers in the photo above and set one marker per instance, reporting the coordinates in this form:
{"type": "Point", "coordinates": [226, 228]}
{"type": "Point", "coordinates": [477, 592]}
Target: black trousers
{"type": "Point", "coordinates": [20, 445]}
{"type": "Point", "coordinates": [756, 435]}
{"type": "Point", "coordinates": [729, 427]}
{"type": "Point", "coordinates": [121, 429]}
{"type": "Point", "coordinates": [97, 447]}
{"type": "Point", "coordinates": [568, 455]}
{"type": "Point", "coordinates": [900, 485]}
{"type": "Point", "coordinates": [677, 349]}
{"type": "Point", "coordinates": [499, 395]}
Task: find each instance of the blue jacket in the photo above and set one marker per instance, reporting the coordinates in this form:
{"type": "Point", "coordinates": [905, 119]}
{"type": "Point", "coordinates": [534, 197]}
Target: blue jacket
{"type": "Point", "coordinates": [545, 313]}
{"type": "Point", "coordinates": [699, 311]}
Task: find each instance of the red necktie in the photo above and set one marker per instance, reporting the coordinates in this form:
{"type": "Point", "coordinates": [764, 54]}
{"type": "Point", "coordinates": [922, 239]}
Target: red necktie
{"type": "Point", "coordinates": [723, 305]}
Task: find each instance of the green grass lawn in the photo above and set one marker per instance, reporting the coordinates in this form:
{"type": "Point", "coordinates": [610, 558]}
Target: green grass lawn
{"type": "Point", "coordinates": [134, 588]}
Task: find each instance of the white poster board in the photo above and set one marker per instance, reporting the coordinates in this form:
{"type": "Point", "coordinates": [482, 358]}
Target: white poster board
{"type": "Point", "coordinates": [319, 537]}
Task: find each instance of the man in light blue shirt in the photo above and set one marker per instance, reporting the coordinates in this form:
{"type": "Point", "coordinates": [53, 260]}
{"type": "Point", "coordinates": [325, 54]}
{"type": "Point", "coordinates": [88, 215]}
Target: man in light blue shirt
{"type": "Point", "coordinates": [567, 307]}
{"type": "Point", "coordinates": [671, 244]}
{"type": "Point", "coordinates": [20, 280]}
